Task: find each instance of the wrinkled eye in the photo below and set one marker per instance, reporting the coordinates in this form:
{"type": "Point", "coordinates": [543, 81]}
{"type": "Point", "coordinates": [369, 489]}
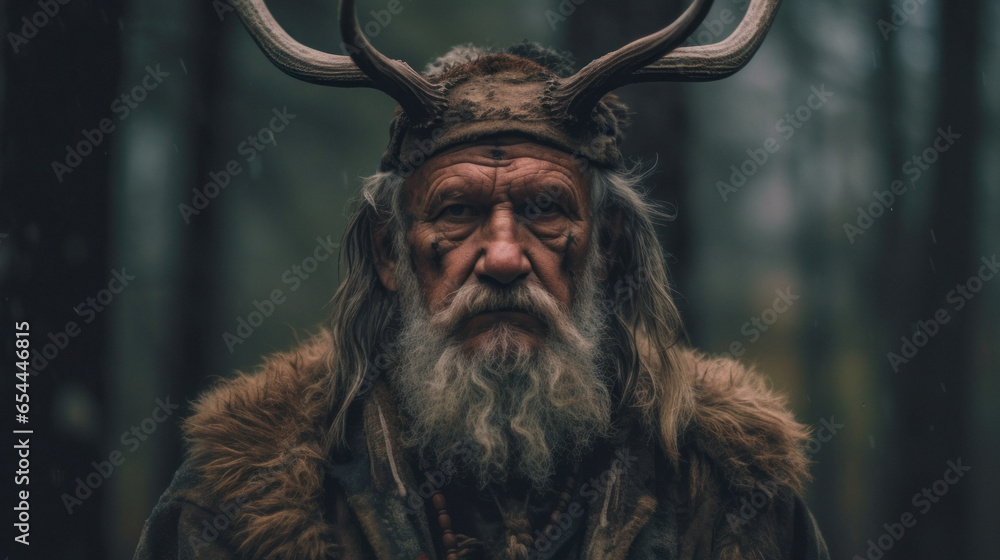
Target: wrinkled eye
{"type": "Point", "coordinates": [458, 211]}
{"type": "Point", "coordinates": [533, 211]}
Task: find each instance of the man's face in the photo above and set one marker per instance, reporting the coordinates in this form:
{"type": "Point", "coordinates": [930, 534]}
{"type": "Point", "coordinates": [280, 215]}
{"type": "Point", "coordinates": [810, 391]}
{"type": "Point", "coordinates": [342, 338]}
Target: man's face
{"type": "Point", "coordinates": [498, 214]}
{"type": "Point", "coordinates": [500, 312]}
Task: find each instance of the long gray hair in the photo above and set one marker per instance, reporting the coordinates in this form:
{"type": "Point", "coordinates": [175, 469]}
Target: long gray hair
{"type": "Point", "coordinates": [644, 324]}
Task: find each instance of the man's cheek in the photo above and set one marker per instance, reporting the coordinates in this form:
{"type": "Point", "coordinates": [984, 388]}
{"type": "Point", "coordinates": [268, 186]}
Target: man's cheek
{"type": "Point", "coordinates": [547, 266]}
{"type": "Point", "coordinates": [440, 280]}
{"type": "Point", "coordinates": [553, 239]}
{"type": "Point", "coordinates": [570, 246]}
{"type": "Point", "coordinates": [437, 255]}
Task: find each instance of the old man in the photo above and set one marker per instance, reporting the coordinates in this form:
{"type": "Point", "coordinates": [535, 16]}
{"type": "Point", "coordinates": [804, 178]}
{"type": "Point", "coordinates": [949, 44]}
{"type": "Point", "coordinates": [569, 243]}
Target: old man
{"type": "Point", "coordinates": [501, 375]}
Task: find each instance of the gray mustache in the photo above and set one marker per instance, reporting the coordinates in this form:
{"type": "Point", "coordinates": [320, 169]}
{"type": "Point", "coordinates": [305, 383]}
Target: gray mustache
{"type": "Point", "coordinates": [475, 299]}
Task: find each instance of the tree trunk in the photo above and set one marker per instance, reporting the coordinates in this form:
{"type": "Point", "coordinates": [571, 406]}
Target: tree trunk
{"type": "Point", "coordinates": [932, 390]}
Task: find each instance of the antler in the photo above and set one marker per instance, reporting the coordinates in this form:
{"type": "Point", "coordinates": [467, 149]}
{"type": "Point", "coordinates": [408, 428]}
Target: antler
{"type": "Point", "coordinates": [294, 58]}
{"type": "Point", "coordinates": [365, 67]}
{"type": "Point", "coordinates": [646, 59]}
{"type": "Point", "coordinates": [583, 90]}
{"type": "Point", "coordinates": [706, 63]}
{"type": "Point", "coordinates": [417, 96]}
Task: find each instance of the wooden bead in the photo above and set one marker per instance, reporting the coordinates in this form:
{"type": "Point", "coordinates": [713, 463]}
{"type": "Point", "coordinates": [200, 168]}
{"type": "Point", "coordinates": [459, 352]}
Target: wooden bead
{"type": "Point", "coordinates": [438, 500]}
{"type": "Point", "coordinates": [519, 527]}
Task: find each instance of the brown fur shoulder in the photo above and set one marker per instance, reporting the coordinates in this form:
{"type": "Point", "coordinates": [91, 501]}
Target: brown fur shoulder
{"type": "Point", "coordinates": [254, 440]}
{"type": "Point", "coordinates": [742, 427]}
{"type": "Point", "coordinates": [742, 458]}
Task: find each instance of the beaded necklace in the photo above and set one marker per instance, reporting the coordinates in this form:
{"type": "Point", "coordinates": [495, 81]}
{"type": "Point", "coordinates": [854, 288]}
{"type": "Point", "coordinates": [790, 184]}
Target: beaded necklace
{"type": "Point", "coordinates": [517, 528]}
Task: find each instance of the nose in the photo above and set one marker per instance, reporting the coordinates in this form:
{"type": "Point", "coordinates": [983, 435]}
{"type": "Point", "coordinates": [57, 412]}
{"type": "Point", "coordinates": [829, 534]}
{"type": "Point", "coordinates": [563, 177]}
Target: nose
{"type": "Point", "coordinates": [503, 259]}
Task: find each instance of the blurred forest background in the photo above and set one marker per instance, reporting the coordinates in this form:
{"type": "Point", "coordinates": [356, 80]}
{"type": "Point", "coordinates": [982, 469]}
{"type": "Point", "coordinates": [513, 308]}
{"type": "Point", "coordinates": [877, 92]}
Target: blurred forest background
{"type": "Point", "coordinates": [844, 98]}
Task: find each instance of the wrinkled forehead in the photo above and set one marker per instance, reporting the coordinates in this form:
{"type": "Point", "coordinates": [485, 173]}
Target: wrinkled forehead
{"type": "Point", "coordinates": [507, 163]}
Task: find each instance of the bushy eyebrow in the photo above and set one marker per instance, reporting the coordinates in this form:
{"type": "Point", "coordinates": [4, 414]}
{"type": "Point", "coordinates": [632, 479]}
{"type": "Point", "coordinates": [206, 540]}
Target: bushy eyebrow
{"type": "Point", "coordinates": [432, 202]}
{"type": "Point", "coordinates": [449, 193]}
{"type": "Point", "coordinates": [520, 190]}
{"type": "Point", "coordinates": [557, 192]}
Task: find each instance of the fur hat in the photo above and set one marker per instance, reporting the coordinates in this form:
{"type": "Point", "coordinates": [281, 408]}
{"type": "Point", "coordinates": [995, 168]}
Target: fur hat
{"type": "Point", "coordinates": [493, 93]}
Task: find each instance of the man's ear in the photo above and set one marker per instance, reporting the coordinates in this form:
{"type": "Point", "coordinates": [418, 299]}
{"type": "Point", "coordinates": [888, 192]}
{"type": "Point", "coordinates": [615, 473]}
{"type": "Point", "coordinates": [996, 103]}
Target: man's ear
{"type": "Point", "coordinates": [382, 254]}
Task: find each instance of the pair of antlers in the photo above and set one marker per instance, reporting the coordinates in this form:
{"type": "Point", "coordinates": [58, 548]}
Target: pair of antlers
{"type": "Point", "coordinates": [651, 58]}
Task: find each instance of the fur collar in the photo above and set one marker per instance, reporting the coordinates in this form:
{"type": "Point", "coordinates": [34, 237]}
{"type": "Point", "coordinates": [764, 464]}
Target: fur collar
{"type": "Point", "coordinates": [744, 428]}
{"type": "Point", "coordinates": [254, 441]}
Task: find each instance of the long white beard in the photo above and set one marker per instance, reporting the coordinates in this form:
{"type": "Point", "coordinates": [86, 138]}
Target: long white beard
{"type": "Point", "coordinates": [517, 408]}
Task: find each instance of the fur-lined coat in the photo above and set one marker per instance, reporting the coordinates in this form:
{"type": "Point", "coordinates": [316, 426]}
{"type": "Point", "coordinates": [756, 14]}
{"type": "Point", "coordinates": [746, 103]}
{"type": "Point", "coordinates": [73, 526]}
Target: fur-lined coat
{"type": "Point", "coordinates": [255, 484]}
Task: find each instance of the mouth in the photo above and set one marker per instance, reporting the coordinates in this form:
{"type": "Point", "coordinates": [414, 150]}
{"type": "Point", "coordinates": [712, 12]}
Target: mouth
{"type": "Point", "coordinates": [485, 320]}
